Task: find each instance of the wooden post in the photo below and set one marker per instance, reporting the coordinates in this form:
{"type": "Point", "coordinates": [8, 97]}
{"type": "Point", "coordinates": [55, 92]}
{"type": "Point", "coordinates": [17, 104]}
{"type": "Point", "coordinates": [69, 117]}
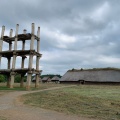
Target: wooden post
{"type": "Point", "coordinates": [12, 74]}
{"type": "Point", "coordinates": [15, 47]}
{"type": "Point", "coordinates": [38, 41]}
{"type": "Point", "coordinates": [23, 42]}
{"type": "Point", "coordinates": [37, 62]}
{"type": "Point", "coordinates": [37, 81]}
{"type": "Point", "coordinates": [37, 68]}
{"type": "Point", "coordinates": [31, 47]}
{"type": "Point", "coordinates": [14, 58]}
{"type": "Point", "coordinates": [28, 83]}
{"type": "Point", "coordinates": [10, 43]}
{"type": "Point", "coordinates": [16, 37]}
{"type": "Point", "coordinates": [22, 63]}
{"type": "Point", "coordinates": [10, 48]}
{"type": "Point", "coordinates": [30, 61]}
{"type": "Point", "coordinates": [1, 41]}
{"type": "Point", "coordinates": [37, 58]}
{"type": "Point", "coordinates": [29, 75]}
{"type": "Point", "coordinates": [23, 48]}
{"type": "Point", "coordinates": [23, 45]}
{"type": "Point", "coordinates": [8, 80]}
{"type": "Point", "coordinates": [9, 61]}
{"type": "Point", "coordinates": [9, 58]}
{"type": "Point", "coordinates": [8, 76]}
{"type": "Point", "coordinates": [22, 81]}
{"type": "Point", "coordinates": [32, 37]}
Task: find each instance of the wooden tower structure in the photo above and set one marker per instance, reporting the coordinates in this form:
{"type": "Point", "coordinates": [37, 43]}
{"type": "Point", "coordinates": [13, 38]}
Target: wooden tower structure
{"type": "Point", "coordinates": [12, 54]}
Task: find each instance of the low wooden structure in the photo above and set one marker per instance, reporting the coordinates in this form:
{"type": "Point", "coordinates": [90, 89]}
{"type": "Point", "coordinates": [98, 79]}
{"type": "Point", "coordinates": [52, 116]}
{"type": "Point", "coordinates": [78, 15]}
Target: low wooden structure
{"type": "Point", "coordinates": [92, 76]}
{"type": "Point", "coordinates": [55, 79]}
{"type": "Point", "coordinates": [34, 79]}
{"type": "Point", "coordinates": [10, 72]}
{"type": "Point", "coordinates": [46, 79]}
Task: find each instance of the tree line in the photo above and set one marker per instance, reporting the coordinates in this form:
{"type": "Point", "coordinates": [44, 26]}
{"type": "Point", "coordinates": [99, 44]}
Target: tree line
{"type": "Point", "coordinates": [3, 78]}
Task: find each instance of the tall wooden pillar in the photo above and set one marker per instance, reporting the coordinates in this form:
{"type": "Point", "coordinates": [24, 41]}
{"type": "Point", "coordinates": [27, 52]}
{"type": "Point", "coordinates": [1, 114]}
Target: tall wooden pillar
{"type": "Point", "coordinates": [15, 47]}
{"type": "Point", "coordinates": [12, 74]}
{"type": "Point", "coordinates": [8, 80]}
{"type": "Point", "coordinates": [29, 74]}
{"type": "Point", "coordinates": [10, 43]}
{"type": "Point", "coordinates": [37, 68]}
{"type": "Point", "coordinates": [23, 48]}
{"type": "Point", "coordinates": [16, 37]}
{"type": "Point", "coordinates": [22, 75]}
{"type": "Point", "coordinates": [1, 41]}
{"type": "Point", "coordinates": [28, 84]}
{"type": "Point", "coordinates": [8, 76]}
{"type": "Point", "coordinates": [22, 62]}
{"type": "Point", "coordinates": [22, 80]}
{"type": "Point", "coordinates": [37, 58]}
{"type": "Point", "coordinates": [14, 58]}
{"type": "Point", "coordinates": [9, 59]}
{"type": "Point", "coordinates": [32, 37]}
{"type": "Point", "coordinates": [38, 41]}
{"type": "Point", "coordinates": [23, 42]}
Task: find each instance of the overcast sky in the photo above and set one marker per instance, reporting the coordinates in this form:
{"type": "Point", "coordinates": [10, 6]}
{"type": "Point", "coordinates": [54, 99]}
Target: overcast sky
{"type": "Point", "coordinates": [74, 33]}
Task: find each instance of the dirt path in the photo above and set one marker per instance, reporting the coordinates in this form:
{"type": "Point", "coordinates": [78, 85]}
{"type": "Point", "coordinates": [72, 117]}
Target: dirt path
{"type": "Point", "coordinates": [12, 109]}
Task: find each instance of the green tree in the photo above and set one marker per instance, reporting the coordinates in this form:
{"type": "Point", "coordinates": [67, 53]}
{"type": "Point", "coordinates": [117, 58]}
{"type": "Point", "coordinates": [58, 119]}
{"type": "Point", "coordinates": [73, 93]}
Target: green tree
{"type": "Point", "coordinates": [18, 78]}
{"type": "Point", "coordinates": [2, 78]}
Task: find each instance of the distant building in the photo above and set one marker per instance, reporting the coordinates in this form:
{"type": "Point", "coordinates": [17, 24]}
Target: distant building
{"type": "Point", "coordinates": [34, 79]}
{"type": "Point", "coordinates": [46, 79]}
{"type": "Point", "coordinates": [55, 79]}
{"type": "Point", "coordinates": [98, 75]}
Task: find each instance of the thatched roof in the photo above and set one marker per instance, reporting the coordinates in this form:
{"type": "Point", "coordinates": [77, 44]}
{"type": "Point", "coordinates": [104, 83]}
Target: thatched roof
{"type": "Point", "coordinates": [45, 78]}
{"type": "Point", "coordinates": [98, 75]}
{"type": "Point", "coordinates": [94, 69]}
{"type": "Point", "coordinates": [55, 78]}
{"type": "Point", "coordinates": [34, 78]}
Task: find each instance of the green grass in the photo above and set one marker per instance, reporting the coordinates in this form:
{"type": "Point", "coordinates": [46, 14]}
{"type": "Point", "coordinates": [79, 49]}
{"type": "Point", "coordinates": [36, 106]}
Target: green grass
{"type": "Point", "coordinates": [2, 118]}
{"type": "Point", "coordinates": [46, 86]}
{"type": "Point", "coordinates": [3, 86]}
{"type": "Point", "coordinates": [102, 102]}
{"type": "Point", "coordinates": [11, 89]}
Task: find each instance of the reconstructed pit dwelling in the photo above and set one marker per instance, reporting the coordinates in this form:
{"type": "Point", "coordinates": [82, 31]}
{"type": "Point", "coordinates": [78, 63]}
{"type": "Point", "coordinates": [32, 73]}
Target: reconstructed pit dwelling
{"type": "Point", "coordinates": [96, 76]}
{"type": "Point", "coordinates": [11, 71]}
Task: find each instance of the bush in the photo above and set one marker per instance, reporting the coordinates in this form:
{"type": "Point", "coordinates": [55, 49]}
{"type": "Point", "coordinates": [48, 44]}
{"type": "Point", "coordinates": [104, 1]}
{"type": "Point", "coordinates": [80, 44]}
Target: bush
{"type": "Point", "coordinates": [2, 78]}
{"type": "Point", "coordinates": [18, 79]}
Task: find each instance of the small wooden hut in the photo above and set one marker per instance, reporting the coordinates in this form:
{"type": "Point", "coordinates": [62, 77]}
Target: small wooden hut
{"type": "Point", "coordinates": [46, 79]}
{"type": "Point", "coordinates": [34, 79]}
{"type": "Point", "coordinates": [55, 79]}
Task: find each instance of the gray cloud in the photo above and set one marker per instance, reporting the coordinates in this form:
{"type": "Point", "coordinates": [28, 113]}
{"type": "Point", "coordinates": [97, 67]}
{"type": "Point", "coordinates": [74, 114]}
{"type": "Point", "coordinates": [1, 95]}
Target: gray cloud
{"type": "Point", "coordinates": [74, 33]}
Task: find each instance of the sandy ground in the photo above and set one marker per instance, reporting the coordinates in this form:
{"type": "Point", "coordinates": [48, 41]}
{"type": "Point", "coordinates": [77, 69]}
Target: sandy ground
{"type": "Point", "coordinates": [12, 109]}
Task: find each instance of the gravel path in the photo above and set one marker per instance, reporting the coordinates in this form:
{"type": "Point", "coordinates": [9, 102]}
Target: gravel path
{"type": "Point", "coordinates": [12, 109]}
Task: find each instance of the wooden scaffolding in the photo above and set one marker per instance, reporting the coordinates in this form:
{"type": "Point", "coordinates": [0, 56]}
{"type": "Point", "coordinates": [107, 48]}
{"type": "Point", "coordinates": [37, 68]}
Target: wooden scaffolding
{"type": "Point", "coordinates": [11, 70]}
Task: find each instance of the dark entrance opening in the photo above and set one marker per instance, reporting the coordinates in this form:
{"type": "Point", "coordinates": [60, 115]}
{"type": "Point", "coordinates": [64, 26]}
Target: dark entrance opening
{"type": "Point", "coordinates": [82, 81]}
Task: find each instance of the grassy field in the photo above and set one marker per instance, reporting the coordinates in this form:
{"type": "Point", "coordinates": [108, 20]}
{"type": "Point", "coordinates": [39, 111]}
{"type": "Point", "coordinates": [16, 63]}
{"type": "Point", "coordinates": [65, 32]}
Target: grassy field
{"type": "Point", "coordinates": [2, 118]}
{"type": "Point", "coordinates": [94, 101]}
{"type": "Point", "coordinates": [4, 88]}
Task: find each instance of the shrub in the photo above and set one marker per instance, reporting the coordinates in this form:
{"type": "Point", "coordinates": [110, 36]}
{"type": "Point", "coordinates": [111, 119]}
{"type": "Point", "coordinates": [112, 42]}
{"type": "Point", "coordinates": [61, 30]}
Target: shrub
{"type": "Point", "coordinates": [2, 78]}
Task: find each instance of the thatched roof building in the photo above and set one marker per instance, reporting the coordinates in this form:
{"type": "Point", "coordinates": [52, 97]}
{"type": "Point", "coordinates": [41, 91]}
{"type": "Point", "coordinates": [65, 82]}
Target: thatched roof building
{"type": "Point", "coordinates": [34, 79]}
{"type": "Point", "coordinates": [102, 75]}
{"type": "Point", "coordinates": [46, 79]}
{"type": "Point", "coordinates": [55, 79]}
